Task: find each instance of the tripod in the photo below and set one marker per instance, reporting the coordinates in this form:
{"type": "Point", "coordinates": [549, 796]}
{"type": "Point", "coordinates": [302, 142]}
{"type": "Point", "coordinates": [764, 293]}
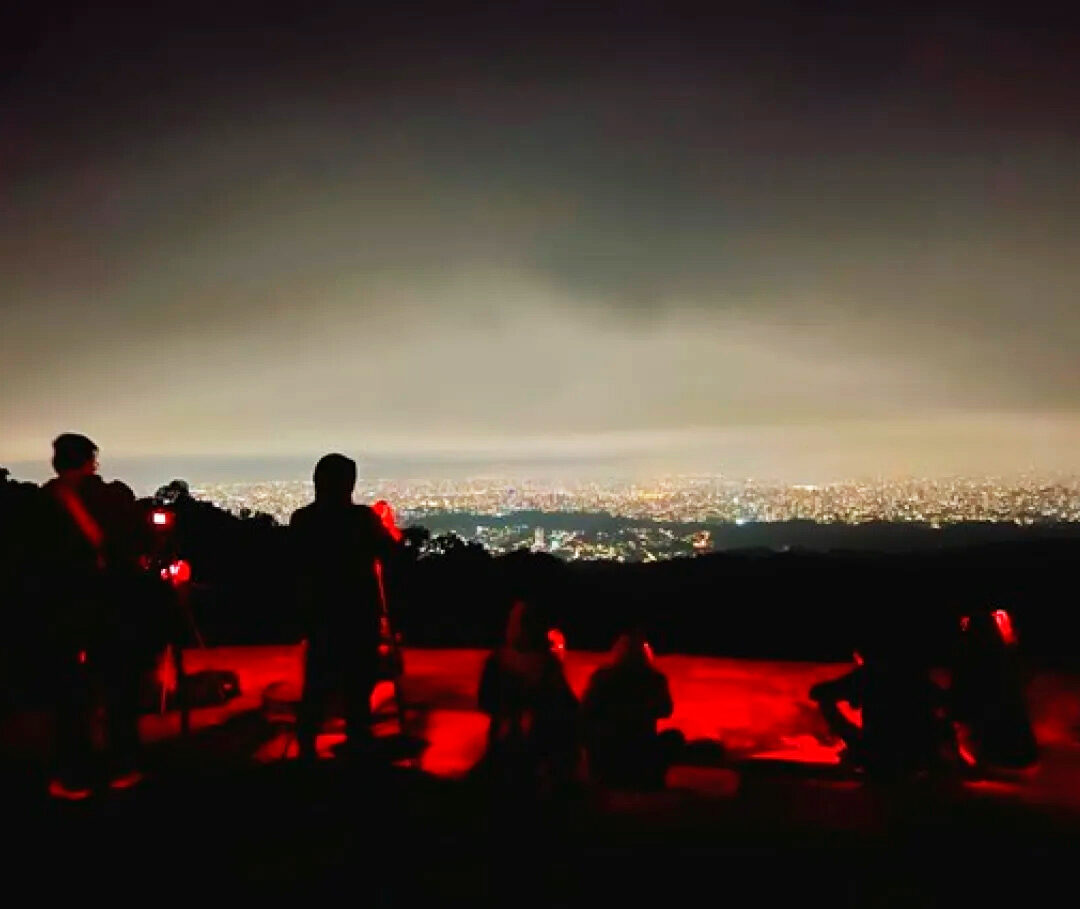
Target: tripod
{"type": "Point", "coordinates": [176, 572]}
{"type": "Point", "coordinates": [182, 628]}
{"type": "Point", "coordinates": [391, 646]}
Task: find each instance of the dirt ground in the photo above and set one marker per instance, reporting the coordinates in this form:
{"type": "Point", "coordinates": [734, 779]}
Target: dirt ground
{"type": "Point", "coordinates": [758, 801]}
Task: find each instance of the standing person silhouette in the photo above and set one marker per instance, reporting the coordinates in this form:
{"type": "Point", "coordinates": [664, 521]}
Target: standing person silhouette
{"type": "Point", "coordinates": [336, 545]}
{"type": "Point", "coordinates": [88, 560]}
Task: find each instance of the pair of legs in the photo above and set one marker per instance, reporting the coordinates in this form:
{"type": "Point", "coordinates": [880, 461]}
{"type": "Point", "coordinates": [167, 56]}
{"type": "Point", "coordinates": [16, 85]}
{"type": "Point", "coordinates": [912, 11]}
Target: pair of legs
{"type": "Point", "coordinates": [89, 685]}
{"type": "Point", "coordinates": [327, 671]}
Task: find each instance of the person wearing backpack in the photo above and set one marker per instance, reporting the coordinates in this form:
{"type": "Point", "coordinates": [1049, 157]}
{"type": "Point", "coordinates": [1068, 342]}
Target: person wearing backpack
{"type": "Point", "coordinates": [88, 542]}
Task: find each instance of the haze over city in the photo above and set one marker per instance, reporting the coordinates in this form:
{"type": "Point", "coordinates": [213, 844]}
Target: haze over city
{"type": "Point", "coordinates": [789, 244]}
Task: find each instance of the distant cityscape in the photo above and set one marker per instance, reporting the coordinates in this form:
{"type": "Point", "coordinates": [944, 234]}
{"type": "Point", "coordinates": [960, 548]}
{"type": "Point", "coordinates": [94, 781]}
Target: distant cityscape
{"type": "Point", "coordinates": [668, 517]}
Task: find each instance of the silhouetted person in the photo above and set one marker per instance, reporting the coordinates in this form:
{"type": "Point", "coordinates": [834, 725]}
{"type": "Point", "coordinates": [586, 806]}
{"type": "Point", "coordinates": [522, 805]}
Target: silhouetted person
{"type": "Point", "coordinates": [335, 544]}
{"type": "Point", "coordinates": [532, 743]}
{"type": "Point", "coordinates": [88, 549]}
{"type": "Point", "coordinates": [619, 712]}
{"type": "Point", "coordinates": [904, 728]}
{"type": "Point", "coordinates": [987, 693]}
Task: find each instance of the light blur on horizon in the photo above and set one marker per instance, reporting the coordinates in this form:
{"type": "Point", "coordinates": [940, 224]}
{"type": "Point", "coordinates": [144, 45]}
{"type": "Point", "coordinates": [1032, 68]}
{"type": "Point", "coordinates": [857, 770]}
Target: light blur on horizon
{"type": "Point", "coordinates": [791, 245]}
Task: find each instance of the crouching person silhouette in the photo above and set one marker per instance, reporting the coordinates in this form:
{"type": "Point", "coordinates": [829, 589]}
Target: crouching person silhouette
{"type": "Point", "coordinates": [335, 544]}
{"type": "Point", "coordinates": [619, 712]}
{"type": "Point", "coordinates": [532, 746]}
{"type": "Point", "coordinates": [904, 729]}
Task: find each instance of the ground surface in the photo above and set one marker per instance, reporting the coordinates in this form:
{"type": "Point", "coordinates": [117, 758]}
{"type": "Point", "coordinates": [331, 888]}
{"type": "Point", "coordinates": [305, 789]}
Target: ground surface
{"type": "Point", "coordinates": [759, 801]}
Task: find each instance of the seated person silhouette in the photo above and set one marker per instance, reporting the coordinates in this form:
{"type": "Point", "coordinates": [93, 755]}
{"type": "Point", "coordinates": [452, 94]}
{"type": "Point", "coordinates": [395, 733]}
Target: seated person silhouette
{"type": "Point", "coordinates": [904, 730]}
{"type": "Point", "coordinates": [619, 712]}
{"type": "Point", "coordinates": [532, 738]}
{"type": "Point", "coordinates": [987, 694]}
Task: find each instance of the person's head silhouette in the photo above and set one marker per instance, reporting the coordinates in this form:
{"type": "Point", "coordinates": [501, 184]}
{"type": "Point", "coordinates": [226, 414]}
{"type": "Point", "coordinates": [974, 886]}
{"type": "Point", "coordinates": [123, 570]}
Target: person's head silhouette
{"type": "Point", "coordinates": [632, 649]}
{"type": "Point", "coordinates": [74, 454]}
{"type": "Point", "coordinates": [335, 478]}
{"type": "Point", "coordinates": [526, 629]}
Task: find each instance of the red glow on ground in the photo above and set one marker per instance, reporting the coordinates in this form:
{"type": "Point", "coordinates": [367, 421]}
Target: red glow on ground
{"type": "Point", "coordinates": [59, 791]}
{"type": "Point", "coordinates": [127, 781]}
{"type": "Point", "coordinates": [802, 749]}
{"type": "Point", "coordinates": [732, 713]}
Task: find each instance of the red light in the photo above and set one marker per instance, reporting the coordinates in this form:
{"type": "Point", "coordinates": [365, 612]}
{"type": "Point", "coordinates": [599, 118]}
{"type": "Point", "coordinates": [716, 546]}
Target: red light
{"type": "Point", "coordinates": [179, 572]}
{"type": "Point", "coordinates": [1004, 626]}
{"type": "Point", "coordinates": [557, 640]}
{"type": "Point", "coordinates": [386, 515]}
{"type": "Point", "coordinates": [161, 518]}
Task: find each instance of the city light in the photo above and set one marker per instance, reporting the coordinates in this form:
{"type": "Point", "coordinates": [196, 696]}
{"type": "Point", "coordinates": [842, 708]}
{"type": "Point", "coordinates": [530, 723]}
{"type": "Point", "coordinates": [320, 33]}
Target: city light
{"type": "Point", "coordinates": [670, 516]}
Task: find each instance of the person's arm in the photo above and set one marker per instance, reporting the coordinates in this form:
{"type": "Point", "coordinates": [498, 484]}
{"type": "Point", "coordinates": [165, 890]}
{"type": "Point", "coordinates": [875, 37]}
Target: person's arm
{"type": "Point", "coordinates": [134, 530]}
{"type": "Point", "coordinates": [386, 546]}
{"type": "Point", "coordinates": [300, 569]}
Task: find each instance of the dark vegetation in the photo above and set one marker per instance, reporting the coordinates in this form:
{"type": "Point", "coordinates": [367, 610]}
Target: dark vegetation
{"type": "Point", "coordinates": [445, 592]}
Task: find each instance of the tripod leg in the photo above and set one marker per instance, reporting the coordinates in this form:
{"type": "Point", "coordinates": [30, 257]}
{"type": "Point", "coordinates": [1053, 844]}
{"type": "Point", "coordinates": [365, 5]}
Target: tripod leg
{"type": "Point", "coordinates": [181, 692]}
{"type": "Point", "coordinates": [399, 702]}
{"type": "Point", "coordinates": [184, 599]}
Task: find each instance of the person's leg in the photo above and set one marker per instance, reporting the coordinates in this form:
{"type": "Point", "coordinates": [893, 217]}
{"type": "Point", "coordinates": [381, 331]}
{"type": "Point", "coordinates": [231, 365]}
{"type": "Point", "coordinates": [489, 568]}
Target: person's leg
{"type": "Point", "coordinates": [123, 678]}
{"type": "Point", "coordinates": [72, 704]}
{"type": "Point", "coordinates": [361, 676]}
{"type": "Point", "coordinates": [313, 698]}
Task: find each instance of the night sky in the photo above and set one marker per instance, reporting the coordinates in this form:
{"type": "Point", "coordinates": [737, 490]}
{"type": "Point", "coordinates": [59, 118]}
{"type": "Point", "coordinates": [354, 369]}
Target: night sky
{"type": "Point", "coordinates": [789, 244]}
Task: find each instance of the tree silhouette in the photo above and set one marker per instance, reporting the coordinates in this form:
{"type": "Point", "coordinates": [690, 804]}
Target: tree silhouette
{"type": "Point", "coordinates": [172, 492]}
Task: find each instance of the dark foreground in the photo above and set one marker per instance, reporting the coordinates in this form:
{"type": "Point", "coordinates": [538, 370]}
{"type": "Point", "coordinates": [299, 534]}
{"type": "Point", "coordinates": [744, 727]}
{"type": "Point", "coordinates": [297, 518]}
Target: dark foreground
{"type": "Point", "coordinates": [399, 837]}
{"type": "Point", "coordinates": [211, 818]}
